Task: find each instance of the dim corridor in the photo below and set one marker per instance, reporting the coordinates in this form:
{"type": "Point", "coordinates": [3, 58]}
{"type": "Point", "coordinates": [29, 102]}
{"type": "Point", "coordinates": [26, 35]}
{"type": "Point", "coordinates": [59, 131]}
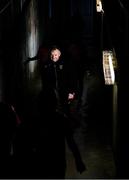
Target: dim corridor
{"type": "Point", "coordinates": [96, 153]}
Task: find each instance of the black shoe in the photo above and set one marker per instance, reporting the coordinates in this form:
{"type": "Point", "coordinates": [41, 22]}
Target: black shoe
{"type": "Point", "coordinates": [81, 167]}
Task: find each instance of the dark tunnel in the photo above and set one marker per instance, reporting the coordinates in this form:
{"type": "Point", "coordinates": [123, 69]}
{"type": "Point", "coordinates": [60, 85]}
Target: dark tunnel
{"type": "Point", "coordinates": [87, 137]}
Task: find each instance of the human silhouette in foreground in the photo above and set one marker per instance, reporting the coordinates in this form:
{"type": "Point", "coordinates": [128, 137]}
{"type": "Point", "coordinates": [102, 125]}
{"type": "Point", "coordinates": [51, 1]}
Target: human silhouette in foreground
{"type": "Point", "coordinates": [8, 123]}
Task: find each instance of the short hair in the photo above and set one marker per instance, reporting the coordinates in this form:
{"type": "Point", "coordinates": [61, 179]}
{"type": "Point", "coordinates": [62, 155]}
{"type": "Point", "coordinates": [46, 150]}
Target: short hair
{"type": "Point", "coordinates": [55, 47]}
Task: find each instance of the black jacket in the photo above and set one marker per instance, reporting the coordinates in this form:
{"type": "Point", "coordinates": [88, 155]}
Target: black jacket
{"type": "Point", "coordinates": [58, 79]}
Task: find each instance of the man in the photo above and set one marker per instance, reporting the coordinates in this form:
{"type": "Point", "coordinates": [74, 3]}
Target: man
{"type": "Point", "coordinates": [59, 83]}
{"type": "Point", "coordinates": [59, 89]}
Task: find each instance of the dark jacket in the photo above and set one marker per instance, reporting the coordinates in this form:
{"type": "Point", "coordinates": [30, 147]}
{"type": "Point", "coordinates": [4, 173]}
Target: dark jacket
{"type": "Point", "coordinates": [58, 79]}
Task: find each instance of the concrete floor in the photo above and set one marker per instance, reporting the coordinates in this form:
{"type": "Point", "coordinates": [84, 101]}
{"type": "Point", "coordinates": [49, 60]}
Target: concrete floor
{"type": "Point", "coordinates": [95, 139]}
{"type": "Point", "coordinates": [96, 154]}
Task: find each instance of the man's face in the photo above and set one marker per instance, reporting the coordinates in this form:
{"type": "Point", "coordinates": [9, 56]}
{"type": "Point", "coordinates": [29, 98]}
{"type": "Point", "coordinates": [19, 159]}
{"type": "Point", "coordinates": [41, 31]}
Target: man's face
{"type": "Point", "coordinates": [55, 55]}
